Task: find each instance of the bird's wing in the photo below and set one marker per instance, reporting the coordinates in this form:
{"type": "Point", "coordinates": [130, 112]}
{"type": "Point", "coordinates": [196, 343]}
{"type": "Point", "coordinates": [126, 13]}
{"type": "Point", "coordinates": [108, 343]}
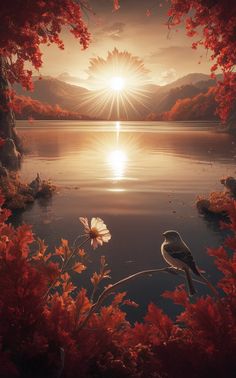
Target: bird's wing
{"type": "Point", "coordinates": [182, 252]}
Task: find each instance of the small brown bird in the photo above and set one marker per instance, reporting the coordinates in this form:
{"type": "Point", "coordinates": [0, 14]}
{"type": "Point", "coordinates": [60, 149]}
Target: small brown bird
{"type": "Point", "coordinates": [178, 255]}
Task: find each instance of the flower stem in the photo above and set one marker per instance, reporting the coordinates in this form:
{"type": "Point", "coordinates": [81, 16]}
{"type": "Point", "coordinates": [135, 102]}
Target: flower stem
{"type": "Point", "coordinates": [63, 269]}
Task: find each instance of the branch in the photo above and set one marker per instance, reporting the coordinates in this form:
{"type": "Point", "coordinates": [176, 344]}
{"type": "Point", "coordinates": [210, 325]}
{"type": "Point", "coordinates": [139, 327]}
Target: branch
{"type": "Point", "coordinates": [64, 266]}
{"type": "Point", "coordinates": [111, 289]}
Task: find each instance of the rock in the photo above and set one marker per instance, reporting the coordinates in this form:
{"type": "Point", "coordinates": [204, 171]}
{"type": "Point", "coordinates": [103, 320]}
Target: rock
{"type": "Point", "coordinates": [16, 203]}
{"type": "Point", "coordinates": [36, 184]}
{"type": "Point", "coordinates": [3, 171]}
{"type": "Point", "coordinates": [215, 203]}
{"type": "Point", "coordinates": [230, 184]}
{"type": "Point", "coordinates": [9, 156]}
{"type": "Point", "coordinates": [18, 195]}
{"type": "Point", "coordinates": [203, 205]}
{"type": "Point", "coordinates": [47, 189]}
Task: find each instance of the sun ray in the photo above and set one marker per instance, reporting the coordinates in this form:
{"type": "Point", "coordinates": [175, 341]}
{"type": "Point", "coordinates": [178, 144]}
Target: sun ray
{"type": "Point", "coordinates": [119, 86]}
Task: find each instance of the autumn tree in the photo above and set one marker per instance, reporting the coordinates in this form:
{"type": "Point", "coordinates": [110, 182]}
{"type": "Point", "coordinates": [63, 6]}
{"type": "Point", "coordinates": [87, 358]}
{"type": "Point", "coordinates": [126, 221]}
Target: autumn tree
{"type": "Point", "coordinates": [200, 107]}
{"type": "Point", "coordinates": [213, 23]}
{"type": "Point", "coordinates": [25, 26]}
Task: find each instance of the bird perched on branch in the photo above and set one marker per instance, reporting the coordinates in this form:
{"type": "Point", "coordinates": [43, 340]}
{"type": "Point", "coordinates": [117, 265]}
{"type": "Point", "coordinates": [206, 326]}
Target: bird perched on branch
{"type": "Point", "coordinates": [178, 255]}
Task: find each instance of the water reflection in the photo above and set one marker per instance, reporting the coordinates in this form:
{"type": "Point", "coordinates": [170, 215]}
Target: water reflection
{"type": "Point", "coordinates": [101, 156]}
{"type": "Point", "coordinates": [141, 179]}
{"type": "Point", "coordinates": [117, 131]}
{"type": "Point", "coordinates": [46, 139]}
{"type": "Point", "coordinates": [117, 159]}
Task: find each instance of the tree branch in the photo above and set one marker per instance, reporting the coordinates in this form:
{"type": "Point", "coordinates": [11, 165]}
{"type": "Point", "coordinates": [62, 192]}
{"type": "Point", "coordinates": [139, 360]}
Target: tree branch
{"type": "Point", "coordinates": [110, 289]}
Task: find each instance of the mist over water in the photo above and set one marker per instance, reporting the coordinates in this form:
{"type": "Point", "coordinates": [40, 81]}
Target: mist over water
{"type": "Point", "coordinates": [141, 178]}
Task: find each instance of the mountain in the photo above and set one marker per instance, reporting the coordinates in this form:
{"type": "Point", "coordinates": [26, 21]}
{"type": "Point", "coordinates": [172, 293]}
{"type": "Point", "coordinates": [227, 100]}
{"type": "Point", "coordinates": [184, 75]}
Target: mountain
{"type": "Point", "coordinates": [162, 102]}
{"type": "Point", "coordinates": [189, 86]}
{"type": "Point", "coordinates": [190, 79]}
{"type": "Point", "coordinates": [158, 99]}
{"type": "Point", "coordinates": [56, 92]}
{"type": "Point", "coordinates": [74, 80]}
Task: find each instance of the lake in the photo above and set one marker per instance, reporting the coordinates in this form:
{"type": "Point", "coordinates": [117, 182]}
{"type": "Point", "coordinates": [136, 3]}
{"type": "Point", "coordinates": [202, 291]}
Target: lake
{"type": "Point", "coordinates": [141, 178]}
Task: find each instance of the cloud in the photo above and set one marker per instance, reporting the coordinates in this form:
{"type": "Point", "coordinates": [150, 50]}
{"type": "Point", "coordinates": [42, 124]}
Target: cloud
{"type": "Point", "coordinates": [171, 53]}
{"type": "Point", "coordinates": [114, 31]}
{"type": "Point", "coordinates": [168, 76]}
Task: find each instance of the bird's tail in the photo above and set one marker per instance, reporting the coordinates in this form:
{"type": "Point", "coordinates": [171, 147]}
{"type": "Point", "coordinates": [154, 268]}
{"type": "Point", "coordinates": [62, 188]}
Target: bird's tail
{"type": "Point", "coordinates": [211, 287]}
{"type": "Point", "coordinates": [191, 287]}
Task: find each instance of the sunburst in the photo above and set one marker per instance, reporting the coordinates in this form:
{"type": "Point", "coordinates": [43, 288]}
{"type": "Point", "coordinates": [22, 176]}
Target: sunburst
{"type": "Point", "coordinates": [119, 86]}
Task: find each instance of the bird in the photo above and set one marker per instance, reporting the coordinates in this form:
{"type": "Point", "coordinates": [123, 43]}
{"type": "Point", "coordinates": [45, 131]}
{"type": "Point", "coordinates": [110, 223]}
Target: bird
{"type": "Point", "coordinates": [177, 254]}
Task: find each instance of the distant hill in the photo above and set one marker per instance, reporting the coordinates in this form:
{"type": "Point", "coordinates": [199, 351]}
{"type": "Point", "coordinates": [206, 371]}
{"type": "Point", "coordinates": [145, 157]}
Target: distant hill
{"type": "Point", "coordinates": [159, 99]}
{"type": "Point", "coordinates": [190, 79]}
{"type": "Point", "coordinates": [56, 92]}
{"type": "Point", "coordinates": [200, 107]}
{"type": "Point", "coordinates": [28, 108]}
{"type": "Point", "coordinates": [165, 97]}
{"type": "Point", "coordinates": [74, 80]}
{"type": "Point", "coordinates": [162, 102]}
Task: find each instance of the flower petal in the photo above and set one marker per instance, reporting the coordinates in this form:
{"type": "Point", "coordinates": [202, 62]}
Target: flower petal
{"type": "Point", "coordinates": [97, 222]}
{"type": "Point", "coordinates": [104, 231]}
{"type": "Point", "coordinates": [94, 243]}
{"type": "Point", "coordinates": [84, 221]}
{"type": "Point", "coordinates": [106, 238]}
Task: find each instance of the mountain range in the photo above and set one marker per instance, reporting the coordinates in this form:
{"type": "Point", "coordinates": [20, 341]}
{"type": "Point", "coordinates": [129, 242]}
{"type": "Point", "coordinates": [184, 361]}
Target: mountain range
{"type": "Point", "coordinates": [158, 99]}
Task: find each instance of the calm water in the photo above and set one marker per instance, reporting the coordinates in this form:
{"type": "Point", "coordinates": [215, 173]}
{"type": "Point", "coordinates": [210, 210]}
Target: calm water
{"type": "Point", "coordinates": [141, 178]}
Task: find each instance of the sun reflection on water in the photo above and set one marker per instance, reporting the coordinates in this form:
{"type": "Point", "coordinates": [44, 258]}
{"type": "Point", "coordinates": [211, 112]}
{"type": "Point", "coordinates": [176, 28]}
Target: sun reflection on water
{"type": "Point", "coordinates": [117, 131]}
{"type": "Point", "coordinates": [113, 154]}
{"type": "Point", "coordinates": [117, 160]}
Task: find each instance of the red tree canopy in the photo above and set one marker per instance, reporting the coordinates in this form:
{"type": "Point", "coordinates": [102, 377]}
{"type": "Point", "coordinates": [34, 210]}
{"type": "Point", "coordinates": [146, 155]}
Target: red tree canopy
{"type": "Point", "coordinates": [25, 25]}
{"type": "Point", "coordinates": [213, 22]}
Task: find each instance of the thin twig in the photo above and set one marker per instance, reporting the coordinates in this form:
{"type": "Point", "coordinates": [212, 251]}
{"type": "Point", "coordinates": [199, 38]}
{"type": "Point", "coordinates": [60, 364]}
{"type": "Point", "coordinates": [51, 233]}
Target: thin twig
{"type": "Point", "coordinates": [64, 267]}
{"type": "Point", "coordinates": [111, 289]}
{"type": "Point", "coordinates": [73, 253]}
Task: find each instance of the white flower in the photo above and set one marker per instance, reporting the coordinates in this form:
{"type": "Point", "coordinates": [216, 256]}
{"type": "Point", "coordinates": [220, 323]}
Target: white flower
{"type": "Point", "coordinates": [97, 231]}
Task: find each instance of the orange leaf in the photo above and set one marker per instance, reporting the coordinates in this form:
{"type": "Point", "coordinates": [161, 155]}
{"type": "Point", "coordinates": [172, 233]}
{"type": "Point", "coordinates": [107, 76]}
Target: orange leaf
{"type": "Point", "coordinates": [79, 267]}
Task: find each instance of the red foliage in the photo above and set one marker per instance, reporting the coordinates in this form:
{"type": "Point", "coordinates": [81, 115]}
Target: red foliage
{"type": "Point", "coordinates": [213, 23]}
{"type": "Point", "coordinates": [202, 106]}
{"type": "Point", "coordinates": [41, 336]}
{"type": "Point", "coordinates": [28, 108]}
{"type": "Point", "coordinates": [116, 5]}
{"type": "Point", "coordinates": [25, 25]}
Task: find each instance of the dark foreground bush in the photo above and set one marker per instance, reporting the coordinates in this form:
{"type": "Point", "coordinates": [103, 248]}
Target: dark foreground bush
{"type": "Point", "coordinates": [43, 332]}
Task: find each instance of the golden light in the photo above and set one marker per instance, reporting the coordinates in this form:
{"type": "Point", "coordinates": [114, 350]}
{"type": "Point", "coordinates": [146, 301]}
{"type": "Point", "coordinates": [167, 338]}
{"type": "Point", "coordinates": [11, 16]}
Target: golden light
{"type": "Point", "coordinates": [119, 86]}
{"type": "Point", "coordinates": [117, 160]}
{"type": "Point", "coordinates": [117, 131]}
{"type": "Point", "coordinates": [117, 126]}
{"type": "Point", "coordinates": [117, 83]}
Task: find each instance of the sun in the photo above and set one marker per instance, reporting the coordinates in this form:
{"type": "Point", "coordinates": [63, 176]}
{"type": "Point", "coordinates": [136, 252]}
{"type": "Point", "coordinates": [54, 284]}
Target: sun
{"type": "Point", "coordinates": [119, 86]}
{"type": "Point", "coordinates": [117, 83]}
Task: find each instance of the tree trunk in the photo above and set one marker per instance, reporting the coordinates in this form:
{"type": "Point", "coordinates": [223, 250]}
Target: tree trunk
{"type": "Point", "coordinates": [7, 118]}
{"type": "Point", "coordinates": [231, 123]}
{"type": "Point", "coordinates": [10, 150]}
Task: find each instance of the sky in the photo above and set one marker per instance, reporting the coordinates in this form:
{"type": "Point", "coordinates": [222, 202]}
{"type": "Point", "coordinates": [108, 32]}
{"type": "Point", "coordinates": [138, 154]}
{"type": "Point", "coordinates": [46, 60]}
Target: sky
{"type": "Point", "coordinates": [167, 55]}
